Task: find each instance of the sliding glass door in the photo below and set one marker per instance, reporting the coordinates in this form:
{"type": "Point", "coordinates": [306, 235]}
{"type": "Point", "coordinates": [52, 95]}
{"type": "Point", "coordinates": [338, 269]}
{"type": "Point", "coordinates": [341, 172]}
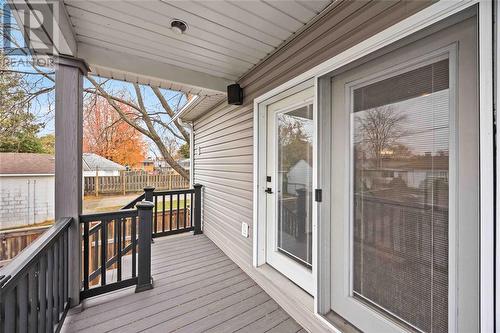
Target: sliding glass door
{"type": "Point", "coordinates": [405, 188]}
{"type": "Point", "coordinates": [400, 194]}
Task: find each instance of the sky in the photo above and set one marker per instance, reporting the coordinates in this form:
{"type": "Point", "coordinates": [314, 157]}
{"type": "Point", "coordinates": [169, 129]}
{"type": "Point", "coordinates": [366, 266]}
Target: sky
{"type": "Point", "coordinates": [427, 122]}
{"type": "Point", "coordinates": [45, 102]}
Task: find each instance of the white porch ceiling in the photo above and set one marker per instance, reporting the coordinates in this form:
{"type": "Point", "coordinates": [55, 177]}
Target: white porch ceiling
{"type": "Point", "coordinates": [132, 40]}
{"type": "Point", "coordinates": [224, 39]}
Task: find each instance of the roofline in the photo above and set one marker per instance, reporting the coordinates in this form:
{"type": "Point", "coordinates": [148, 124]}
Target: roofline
{"type": "Point", "coordinates": [183, 110]}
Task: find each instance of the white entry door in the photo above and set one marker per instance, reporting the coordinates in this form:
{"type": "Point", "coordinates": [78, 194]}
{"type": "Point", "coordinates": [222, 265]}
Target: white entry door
{"type": "Point", "coordinates": [289, 155]}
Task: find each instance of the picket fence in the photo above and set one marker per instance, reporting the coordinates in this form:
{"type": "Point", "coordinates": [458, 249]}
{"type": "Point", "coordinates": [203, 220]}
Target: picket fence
{"type": "Point", "coordinates": [133, 181]}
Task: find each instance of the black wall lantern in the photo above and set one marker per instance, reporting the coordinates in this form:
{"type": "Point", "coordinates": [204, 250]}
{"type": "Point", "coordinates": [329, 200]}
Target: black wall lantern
{"type": "Point", "coordinates": [234, 94]}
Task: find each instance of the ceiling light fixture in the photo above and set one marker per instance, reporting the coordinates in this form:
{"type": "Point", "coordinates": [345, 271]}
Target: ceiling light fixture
{"type": "Point", "coordinates": [178, 26]}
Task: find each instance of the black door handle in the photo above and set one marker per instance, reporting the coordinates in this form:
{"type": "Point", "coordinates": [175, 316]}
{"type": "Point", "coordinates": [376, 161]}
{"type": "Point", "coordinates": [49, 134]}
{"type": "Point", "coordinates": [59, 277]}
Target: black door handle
{"type": "Point", "coordinates": [269, 190]}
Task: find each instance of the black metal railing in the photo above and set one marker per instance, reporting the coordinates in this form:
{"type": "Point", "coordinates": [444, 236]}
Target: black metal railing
{"type": "Point", "coordinates": [34, 294]}
{"type": "Point", "coordinates": [175, 211]}
{"type": "Point", "coordinates": [399, 228]}
{"type": "Point", "coordinates": [294, 213]}
{"type": "Point", "coordinates": [117, 245]}
{"type": "Point", "coordinates": [114, 245]}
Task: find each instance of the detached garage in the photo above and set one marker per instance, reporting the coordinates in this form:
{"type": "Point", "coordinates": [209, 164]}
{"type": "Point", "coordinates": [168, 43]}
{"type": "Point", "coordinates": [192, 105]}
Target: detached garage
{"type": "Point", "coordinates": [26, 189]}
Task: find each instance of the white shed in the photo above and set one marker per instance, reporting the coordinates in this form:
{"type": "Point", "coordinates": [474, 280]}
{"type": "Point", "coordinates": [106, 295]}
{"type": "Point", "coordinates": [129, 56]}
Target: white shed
{"type": "Point", "coordinates": [93, 164]}
{"type": "Point", "coordinates": [299, 176]}
{"type": "Point", "coordinates": [26, 189]}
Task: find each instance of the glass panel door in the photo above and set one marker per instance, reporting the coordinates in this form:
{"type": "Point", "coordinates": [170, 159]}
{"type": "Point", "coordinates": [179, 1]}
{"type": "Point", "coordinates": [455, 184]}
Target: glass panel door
{"type": "Point", "coordinates": [294, 167]}
{"type": "Point", "coordinates": [289, 159]}
{"type": "Point", "coordinates": [400, 187]}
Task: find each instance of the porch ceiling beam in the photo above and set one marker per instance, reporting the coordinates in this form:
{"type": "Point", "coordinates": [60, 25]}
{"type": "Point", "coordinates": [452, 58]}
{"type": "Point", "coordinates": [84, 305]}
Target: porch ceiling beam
{"type": "Point", "coordinates": [148, 69]}
{"type": "Point", "coordinates": [61, 37]}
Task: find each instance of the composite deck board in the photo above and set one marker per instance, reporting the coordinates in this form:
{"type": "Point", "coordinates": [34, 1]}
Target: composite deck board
{"type": "Point", "coordinates": [245, 318]}
{"type": "Point", "coordinates": [286, 326]}
{"type": "Point", "coordinates": [267, 322]}
{"type": "Point", "coordinates": [197, 288]}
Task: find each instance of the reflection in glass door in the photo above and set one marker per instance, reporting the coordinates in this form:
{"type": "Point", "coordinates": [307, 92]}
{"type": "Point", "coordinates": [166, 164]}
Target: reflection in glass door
{"type": "Point", "coordinates": [400, 152]}
{"type": "Point", "coordinates": [294, 131]}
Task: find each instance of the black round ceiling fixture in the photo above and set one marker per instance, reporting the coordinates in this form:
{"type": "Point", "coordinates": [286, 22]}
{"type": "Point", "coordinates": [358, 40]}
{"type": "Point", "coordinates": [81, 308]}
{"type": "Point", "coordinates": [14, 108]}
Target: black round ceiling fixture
{"type": "Point", "coordinates": [178, 26]}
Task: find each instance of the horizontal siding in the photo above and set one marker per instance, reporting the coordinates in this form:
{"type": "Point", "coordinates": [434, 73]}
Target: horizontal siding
{"type": "Point", "coordinates": [224, 140]}
{"type": "Point", "coordinates": [224, 136]}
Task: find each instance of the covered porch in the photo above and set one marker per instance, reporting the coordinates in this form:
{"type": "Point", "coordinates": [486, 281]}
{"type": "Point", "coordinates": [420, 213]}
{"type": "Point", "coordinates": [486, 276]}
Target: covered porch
{"type": "Point", "coordinates": [221, 279]}
{"type": "Point", "coordinates": [83, 273]}
{"type": "Point", "coordinates": [197, 288]}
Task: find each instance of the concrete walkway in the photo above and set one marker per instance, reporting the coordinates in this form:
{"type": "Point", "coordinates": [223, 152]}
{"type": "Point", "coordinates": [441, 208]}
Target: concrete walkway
{"type": "Point", "coordinates": [104, 203]}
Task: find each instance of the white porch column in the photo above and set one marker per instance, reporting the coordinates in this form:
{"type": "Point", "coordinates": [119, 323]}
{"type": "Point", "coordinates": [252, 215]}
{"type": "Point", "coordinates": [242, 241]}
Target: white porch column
{"type": "Point", "coordinates": [68, 175]}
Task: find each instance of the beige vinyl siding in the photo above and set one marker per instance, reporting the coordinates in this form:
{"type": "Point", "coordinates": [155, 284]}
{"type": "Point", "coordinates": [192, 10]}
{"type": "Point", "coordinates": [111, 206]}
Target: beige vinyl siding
{"type": "Point", "coordinates": [223, 164]}
{"type": "Point", "coordinates": [224, 135]}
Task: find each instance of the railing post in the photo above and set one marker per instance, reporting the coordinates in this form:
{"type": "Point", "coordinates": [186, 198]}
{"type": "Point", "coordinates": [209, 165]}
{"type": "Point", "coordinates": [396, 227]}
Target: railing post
{"type": "Point", "coordinates": [197, 209]}
{"type": "Point", "coordinates": [144, 279]}
{"type": "Point", "coordinates": [148, 193]}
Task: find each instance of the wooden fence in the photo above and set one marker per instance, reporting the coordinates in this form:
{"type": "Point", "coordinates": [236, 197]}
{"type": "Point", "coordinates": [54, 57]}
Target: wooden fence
{"type": "Point", "coordinates": [133, 181]}
{"type": "Point", "coordinates": [14, 241]}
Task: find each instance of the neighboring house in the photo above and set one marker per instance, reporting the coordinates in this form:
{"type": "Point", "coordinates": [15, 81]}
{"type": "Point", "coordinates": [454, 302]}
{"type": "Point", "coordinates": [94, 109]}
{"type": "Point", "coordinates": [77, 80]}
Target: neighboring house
{"type": "Point", "coordinates": [26, 189]}
{"type": "Point", "coordinates": [94, 164]}
{"type": "Point", "coordinates": [161, 164]}
{"type": "Point", "coordinates": [381, 256]}
{"type": "Point", "coordinates": [148, 165]}
{"type": "Point", "coordinates": [299, 177]}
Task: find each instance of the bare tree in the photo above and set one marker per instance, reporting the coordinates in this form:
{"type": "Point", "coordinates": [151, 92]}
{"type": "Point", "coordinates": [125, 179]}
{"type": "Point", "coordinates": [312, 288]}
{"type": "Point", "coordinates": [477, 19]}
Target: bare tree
{"type": "Point", "coordinates": [154, 123]}
{"type": "Point", "coordinates": [379, 129]}
{"type": "Point", "coordinates": [150, 123]}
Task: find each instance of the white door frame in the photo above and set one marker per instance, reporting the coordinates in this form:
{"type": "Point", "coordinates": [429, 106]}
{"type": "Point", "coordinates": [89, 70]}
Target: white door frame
{"type": "Point", "coordinates": [417, 22]}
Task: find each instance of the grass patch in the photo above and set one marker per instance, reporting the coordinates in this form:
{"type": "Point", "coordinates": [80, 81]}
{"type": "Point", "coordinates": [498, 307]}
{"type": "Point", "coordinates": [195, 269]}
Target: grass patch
{"type": "Point", "coordinates": [176, 203]}
{"type": "Point", "coordinates": [159, 206]}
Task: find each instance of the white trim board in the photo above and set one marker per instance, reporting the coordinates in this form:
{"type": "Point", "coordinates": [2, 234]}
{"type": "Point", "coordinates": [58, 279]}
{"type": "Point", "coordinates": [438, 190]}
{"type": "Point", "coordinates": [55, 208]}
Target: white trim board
{"type": "Point", "coordinates": [135, 68]}
{"type": "Point", "coordinates": [496, 28]}
{"type": "Point", "coordinates": [417, 22]}
{"type": "Point", "coordinates": [486, 168]}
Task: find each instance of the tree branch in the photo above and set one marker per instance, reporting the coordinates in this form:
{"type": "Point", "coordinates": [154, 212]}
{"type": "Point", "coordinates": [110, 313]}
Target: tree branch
{"type": "Point", "coordinates": [156, 138]}
{"type": "Point", "coordinates": [170, 112]}
{"type": "Point", "coordinates": [113, 104]}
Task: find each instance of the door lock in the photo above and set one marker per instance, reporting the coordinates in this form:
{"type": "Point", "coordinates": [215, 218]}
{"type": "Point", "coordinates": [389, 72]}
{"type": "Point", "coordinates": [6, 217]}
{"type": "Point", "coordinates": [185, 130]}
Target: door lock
{"type": "Point", "coordinates": [269, 190]}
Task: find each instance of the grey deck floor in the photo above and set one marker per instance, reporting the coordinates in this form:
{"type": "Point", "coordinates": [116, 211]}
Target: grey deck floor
{"type": "Point", "coordinates": [197, 288]}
